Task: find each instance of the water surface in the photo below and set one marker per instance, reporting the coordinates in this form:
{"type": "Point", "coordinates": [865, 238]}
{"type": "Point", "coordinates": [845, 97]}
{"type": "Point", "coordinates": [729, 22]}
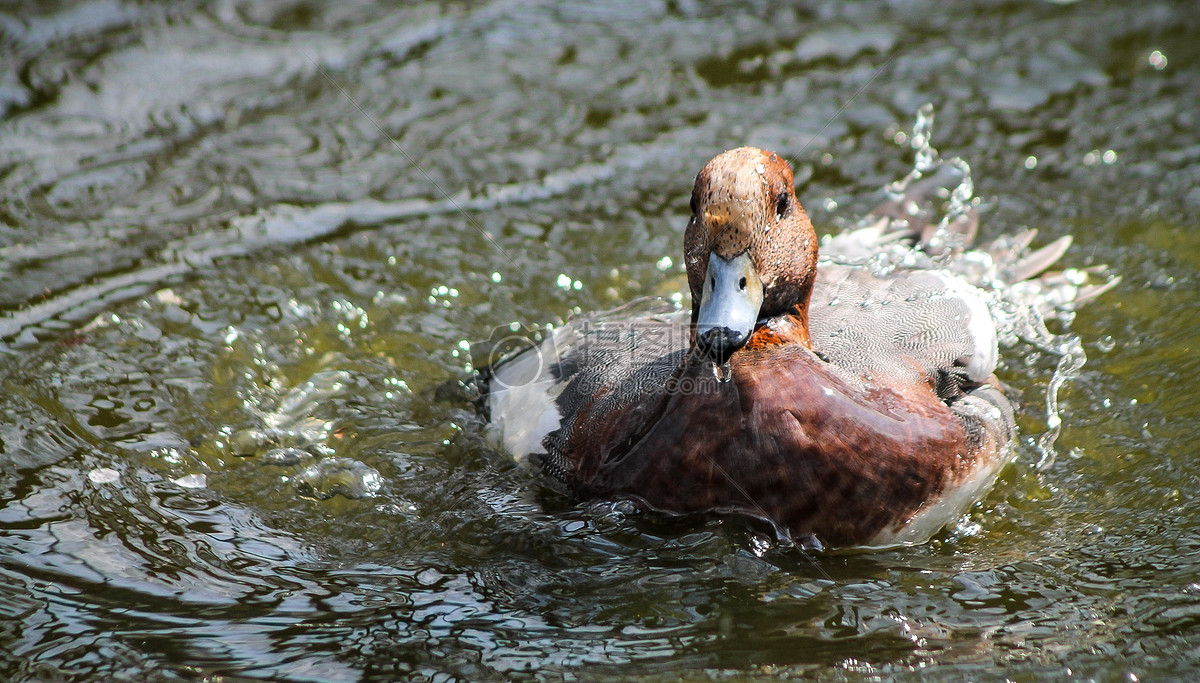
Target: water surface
{"type": "Point", "coordinates": [243, 248]}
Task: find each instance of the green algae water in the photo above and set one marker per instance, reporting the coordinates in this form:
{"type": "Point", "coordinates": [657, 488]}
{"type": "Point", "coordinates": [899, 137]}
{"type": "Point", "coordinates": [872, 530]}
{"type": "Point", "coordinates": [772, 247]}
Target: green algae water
{"type": "Point", "coordinates": [245, 249]}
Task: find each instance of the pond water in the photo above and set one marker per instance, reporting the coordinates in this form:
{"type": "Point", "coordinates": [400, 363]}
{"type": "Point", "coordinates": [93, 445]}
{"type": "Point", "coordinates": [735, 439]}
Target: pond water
{"type": "Point", "coordinates": [244, 246]}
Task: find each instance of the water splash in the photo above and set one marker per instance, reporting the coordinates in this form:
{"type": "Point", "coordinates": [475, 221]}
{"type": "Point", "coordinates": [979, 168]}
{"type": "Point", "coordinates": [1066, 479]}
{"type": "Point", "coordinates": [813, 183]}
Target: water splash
{"type": "Point", "coordinates": [292, 425]}
{"type": "Point", "coordinates": [943, 238]}
{"type": "Point", "coordinates": [922, 140]}
{"type": "Point", "coordinates": [962, 197]}
{"type": "Point", "coordinates": [299, 403]}
{"type": "Point", "coordinates": [1022, 320]}
{"type": "Point", "coordinates": [344, 477]}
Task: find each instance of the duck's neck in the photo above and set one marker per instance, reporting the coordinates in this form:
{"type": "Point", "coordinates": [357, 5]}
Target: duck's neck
{"type": "Point", "coordinates": [789, 328]}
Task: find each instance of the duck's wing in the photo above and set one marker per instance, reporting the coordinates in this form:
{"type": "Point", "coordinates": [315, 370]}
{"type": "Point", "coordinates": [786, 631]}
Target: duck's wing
{"type": "Point", "coordinates": [603, 366]}
{"type": "Point", "coordinates": [911, 326]}
{"type": "Point", "coordinates": [931, 315]}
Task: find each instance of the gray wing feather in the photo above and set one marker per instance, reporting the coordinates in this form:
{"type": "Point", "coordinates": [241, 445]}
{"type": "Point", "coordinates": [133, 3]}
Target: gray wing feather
{"type": "Point", "coordinates": [606, 362]}
{"type": "Point", "coordinates": [913, 325]}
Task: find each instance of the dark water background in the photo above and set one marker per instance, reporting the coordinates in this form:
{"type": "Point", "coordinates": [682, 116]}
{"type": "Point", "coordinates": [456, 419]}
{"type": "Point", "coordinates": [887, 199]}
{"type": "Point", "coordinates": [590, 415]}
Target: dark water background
{"type": "Point", "coordinates": [231, 226]}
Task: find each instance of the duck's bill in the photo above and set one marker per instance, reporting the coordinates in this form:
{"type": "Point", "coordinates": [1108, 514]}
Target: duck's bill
{"type": "Point", "coordinates": [729, 306]}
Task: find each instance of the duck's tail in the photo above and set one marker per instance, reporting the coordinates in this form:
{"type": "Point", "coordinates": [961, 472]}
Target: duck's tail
{"type": "Point", "coordinates": [905, 232]}
{"type": "Point", "coordinates": [1066, 288]}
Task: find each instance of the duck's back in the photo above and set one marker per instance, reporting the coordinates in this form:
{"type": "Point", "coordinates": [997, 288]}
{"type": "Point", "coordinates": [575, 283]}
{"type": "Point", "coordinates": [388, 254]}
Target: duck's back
{"type": "Point", "coordinates": [910, 326]}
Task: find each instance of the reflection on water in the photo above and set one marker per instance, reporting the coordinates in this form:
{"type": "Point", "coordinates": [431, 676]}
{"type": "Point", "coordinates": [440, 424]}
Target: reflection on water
{"type": "Point", "coordinates": [244, 248]}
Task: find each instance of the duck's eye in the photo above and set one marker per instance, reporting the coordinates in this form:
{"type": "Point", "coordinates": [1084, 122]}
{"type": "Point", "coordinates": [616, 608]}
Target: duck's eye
{"type": "Point", "coordinates": [742, 284]}
{"type": "Point", "coordinates": [783, 204]}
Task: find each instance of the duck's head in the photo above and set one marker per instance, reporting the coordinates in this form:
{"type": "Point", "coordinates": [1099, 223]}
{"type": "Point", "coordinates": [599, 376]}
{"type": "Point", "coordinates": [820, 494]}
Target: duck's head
{"type": "Point", "coordinates": [750, 250]}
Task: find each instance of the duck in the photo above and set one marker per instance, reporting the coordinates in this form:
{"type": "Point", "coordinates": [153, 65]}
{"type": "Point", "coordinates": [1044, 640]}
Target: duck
{"type": "Point", "coordinates": [844, 404]}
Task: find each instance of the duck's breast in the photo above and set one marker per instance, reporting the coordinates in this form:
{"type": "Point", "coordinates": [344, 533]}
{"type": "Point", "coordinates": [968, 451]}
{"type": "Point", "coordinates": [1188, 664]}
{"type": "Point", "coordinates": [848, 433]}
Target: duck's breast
{"type": "Point", "coordinates": [788, 440]}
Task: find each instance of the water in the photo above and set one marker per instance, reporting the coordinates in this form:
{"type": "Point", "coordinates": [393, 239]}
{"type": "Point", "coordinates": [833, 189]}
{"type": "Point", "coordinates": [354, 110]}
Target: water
{"type": "Point", "coordinates": [245, 248]}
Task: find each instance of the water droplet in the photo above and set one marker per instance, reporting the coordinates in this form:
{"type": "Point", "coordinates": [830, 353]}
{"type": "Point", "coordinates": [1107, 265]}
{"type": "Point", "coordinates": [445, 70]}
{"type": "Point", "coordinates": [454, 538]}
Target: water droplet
{"type": "Point", "coordinates": [338, 476]}
{"type": "Point", "coordinates": [922, 138]}
{"type": "Point", "coordinates": [1158, 60]}
{"type": "Point", "coordinates": [1031, 162]}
